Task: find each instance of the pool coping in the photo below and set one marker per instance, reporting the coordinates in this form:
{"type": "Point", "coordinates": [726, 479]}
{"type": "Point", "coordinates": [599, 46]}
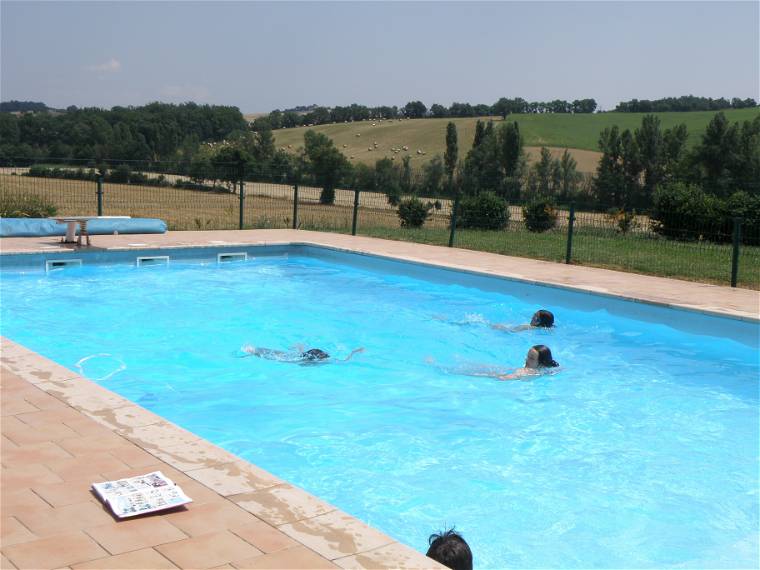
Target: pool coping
{"type": "Point", "coordinates": [320, 527]}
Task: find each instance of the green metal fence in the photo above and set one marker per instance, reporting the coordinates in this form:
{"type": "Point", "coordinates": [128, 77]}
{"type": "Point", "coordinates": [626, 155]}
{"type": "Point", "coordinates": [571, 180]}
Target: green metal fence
{"type": "Point", "coordinates": [235, 199]}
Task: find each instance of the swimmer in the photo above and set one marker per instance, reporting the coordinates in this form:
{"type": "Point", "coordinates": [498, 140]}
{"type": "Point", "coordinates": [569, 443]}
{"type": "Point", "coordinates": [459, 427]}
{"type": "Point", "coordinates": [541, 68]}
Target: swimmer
{"type": "Point", "coordinates": [538, 361]}
{"type": "Point", "coordinates": [311, 356]}
{"type": "Point", "coordinates": [542, 319]}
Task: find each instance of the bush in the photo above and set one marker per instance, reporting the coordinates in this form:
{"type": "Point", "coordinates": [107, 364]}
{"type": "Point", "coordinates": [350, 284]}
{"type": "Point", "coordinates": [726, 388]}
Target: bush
{"type": "Point", "coordinates": [413, 213]}
{"type": "Point", "coordinates": [625, 221]}
{"type": "Point", "coordinates": [25, 207]}
{"type": "Point", "coordinates": [747, 207]}
{"type": "Point", "coordinates": [539, 215]}
{"type": "Point", "coordinates": [38, 170]}
{"type": "Point", "coordinates": [327, 196]}
{"type": "Point", "coordinates": [485, 211]}
{"type": "Point", "coordinates": [685, 211]}
{"type": "Point", "coordinates": [120, 174]}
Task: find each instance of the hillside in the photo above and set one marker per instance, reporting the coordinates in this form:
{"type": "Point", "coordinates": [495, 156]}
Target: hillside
{"type": "Point", "coordinates": [579, 133]}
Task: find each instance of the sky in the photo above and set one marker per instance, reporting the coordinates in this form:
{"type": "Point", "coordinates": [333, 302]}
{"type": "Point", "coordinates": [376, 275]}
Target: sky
{"type": "Point", "coordinates": [259, 56]}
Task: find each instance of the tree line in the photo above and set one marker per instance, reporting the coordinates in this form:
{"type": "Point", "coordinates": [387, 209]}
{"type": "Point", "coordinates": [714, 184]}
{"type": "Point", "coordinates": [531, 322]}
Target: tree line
{"type": "Point", "coordinates": [158, 131]}
{"type": "Point", "coordinates": [317, 115]}
{"type": "Point", "coordinates": [683, 104]}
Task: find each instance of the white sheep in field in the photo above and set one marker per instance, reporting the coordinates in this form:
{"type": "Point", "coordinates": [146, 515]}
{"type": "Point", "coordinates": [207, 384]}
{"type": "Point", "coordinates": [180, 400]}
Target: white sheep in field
{"type": "Point", "coordinates": [369, 148]}
{"type": "Point", "coordinates": [290, 146]}
{"type": "Point", "coordinates": [358, 134]}
{"type": "Point", "coordinates": [351, 157]}
{"type": "Point", "coordinates": [419, 151]}
{"type": "Point", "coordinates": [345, 146]}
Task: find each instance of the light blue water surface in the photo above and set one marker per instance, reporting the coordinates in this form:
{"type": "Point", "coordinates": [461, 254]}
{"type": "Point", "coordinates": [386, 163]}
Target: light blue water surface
{"type": "Point", "coordinates": [641, 453]}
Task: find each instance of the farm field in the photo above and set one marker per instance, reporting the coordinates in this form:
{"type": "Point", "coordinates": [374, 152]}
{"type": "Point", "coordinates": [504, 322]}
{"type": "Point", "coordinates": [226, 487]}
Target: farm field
{"type": "Point", "coordinates": [596, 241]}
{"type": "Point", "coordinates": [577, 133]}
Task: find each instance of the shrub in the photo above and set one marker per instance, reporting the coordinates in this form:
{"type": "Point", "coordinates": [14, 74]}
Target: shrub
{"type": "Point", "coordinates": [38, 170]}
{"type": "Point", "coordinates": [120, 174]}
{"type": "Point", "coordinates": [747, 207]}
{"type": "Point", "coordinates": [685, 211]}
{"type": "Point", "coordinates": [25, 207]}
{"type": "Point", "coordinates": [413, 212]}
{"type": "Point", "coordinates": [485, 211]}
{"type": "Point", "coordinates": [539, 215]}
{"type": "Point", "coordinates": [327, 196]}
{"type": "Point", "coordinates": [625, 221]}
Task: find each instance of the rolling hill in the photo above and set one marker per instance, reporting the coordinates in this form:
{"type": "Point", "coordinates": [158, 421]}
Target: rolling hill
{"type": "Point", "coordinates": [578, 133]}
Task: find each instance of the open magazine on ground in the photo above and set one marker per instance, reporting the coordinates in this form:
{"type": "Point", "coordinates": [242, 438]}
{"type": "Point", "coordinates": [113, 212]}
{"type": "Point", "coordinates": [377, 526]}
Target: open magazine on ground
{"type": "Point", "coordinates": [140, 495]}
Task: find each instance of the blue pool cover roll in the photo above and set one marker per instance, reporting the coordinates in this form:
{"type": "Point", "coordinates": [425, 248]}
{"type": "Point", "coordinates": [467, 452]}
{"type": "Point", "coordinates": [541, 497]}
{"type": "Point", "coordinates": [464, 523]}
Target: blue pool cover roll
{"type": "Point", "coordinates": [40, 227]}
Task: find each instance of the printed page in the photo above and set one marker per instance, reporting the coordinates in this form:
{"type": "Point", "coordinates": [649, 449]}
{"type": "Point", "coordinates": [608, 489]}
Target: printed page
{"type": "Point", "coordinates": [148, 501]}
{"type": "Point", "coordinates": [111, 489]}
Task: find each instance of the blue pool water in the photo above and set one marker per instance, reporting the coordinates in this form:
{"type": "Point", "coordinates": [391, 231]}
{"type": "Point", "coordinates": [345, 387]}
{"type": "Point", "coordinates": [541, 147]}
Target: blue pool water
{"type": "Point", "coordinates": [642, 452]}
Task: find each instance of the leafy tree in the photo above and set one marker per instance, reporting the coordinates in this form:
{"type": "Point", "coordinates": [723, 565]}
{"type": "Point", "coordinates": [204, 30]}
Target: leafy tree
{"type": "Point", "coordinates": [609, 182]}
{"type": "Point", "coordinates": [569, 177]}
{"type": "Point", "coordinates": [415, 109]}
{"type": "Point", "coordinates": [438, 111]}
{"type": "Point", "coordinates": [388, 180]}
{"type": "Point", "coordinates": [480, 131]}
{"type": "Point", "coordinates": [650, 144]}
{"type": "Point", "coordinates": [433, 173]}
{"type": "Point", "coordinates": [327, 164]}
{"type": "Point", "coordinates": [451, 155]}
{"type": "Point", "coordinates": [511, 145]}
{"type": "Point", "coordinates": [716, 153]}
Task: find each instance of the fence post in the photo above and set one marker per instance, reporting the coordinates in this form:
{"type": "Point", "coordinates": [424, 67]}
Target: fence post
{"type": "Point", "coordinates": [735, 253]}
{"type": "Point", "coordinates": [356, 212]}
{"type": "Point", "coordinates": [570, 223]}
{"type": "Point", "coordinates": [100, 195]}
{"type": "Point", "coordinates": [242, 202]}
{"type": "Point", "coordinates": [295, 205]}
{"type": "Point", "coordinates": [452, 232]}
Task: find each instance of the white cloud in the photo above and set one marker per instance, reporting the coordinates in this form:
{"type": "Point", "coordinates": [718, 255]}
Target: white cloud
{"type": "Point", "coordinates": [184, 93]}
{"type": "Point", "coordinates": [111, 66]}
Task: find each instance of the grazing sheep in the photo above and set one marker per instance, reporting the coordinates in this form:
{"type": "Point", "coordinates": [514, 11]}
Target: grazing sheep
{"type": "Point", "coordinates": [358, 134]}
{"type": "Point", "coordinates": [290, 146]}
{"type": "Point", "coordinates": [351, 157]}
{"type": "Point", "coordinates": [419, 151]}
{"type": "Point", "coordinates": [369, 148]}
{"type": "Point", "coordinates": [345, 146]}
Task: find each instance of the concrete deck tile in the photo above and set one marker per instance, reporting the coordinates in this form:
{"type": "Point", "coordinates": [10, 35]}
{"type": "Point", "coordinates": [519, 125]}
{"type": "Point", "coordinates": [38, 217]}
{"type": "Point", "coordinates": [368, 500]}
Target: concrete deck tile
{"type": "Point", "coordinates": [133, 534]}
{"type": "Point", "coordinates": [34, 453]}
{"type": "Point", "coordinates": [86, 426]}
{"type": "Point", "coordinates": [25, 476]}
{"type": "Point", "coordinates": [194, 455]}
{"type": "Point", "coordinates": [158, 436]}
{"type": "Point", "coordinates": [264, 537]}
{"type": "Point", "coordinates": [282, 504]}
{"type": "Point", "coordinates": [336, 535]}
{"type": "Point", "coordinates": [392, 556]}
{"type": "Point", "coordinates": [4, 441]}
{"type": "Point", "coordinates": [14, 407]}
{"type": "Point", "coordinates": [5, 563]}
{"type": "Point", "coordinates": [42, 417]}
{"type": "Point", "coordinates": [209, 517]}
{"type": "Point", "coordinates": [13, 532]}
{"type": "Point", "coordinates": [54, 551]}
{"type": "Point", "coordinates": [62, 494]}
{"type": "Point", "coordinates": [87, 397]}
{"type": "Point", "coordinates": [65, 519]}
{"type": "Point", "coordinates": [86, 466]}
{"type": "Point", "coordinates": [135, 457]}
{"type": "Point", "coordinates": [88, 445]}
{"type": "Point", "coordinates": [24, 434]}
{"type": "Point", "coordinates": [234, 478]}
{"type": "Point", "coordinates": [296, 558]}
{"type": "Point", "coordinates": [16, 502]}
{"type": "Point", "coordinates": [208, 550]}
{"type": "Point", "coordinates": [145, 559]}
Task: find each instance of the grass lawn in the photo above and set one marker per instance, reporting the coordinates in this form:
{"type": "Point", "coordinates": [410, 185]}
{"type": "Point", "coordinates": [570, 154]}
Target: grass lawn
{"type": "Point", "coordinates": [271, 206]}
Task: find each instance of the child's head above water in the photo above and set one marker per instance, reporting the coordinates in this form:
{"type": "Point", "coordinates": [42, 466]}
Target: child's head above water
{"type": "Point", "coordinates": [451, 550]}
{"type": "Point", "coordinates": [540, 356]}
{"type": "Point", "coordinates": [542, 318]}
{"type": "Point", "coordinates": [315, 354]}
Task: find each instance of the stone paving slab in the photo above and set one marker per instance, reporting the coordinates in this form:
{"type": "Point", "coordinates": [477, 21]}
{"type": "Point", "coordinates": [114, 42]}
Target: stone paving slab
{"type": "Point", "coordinates": [62, 432]}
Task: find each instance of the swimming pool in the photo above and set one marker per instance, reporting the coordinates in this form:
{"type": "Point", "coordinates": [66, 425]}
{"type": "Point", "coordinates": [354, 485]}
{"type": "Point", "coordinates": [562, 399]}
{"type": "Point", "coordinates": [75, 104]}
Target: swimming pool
{"type": "Point", "coordinates": [641, 452]}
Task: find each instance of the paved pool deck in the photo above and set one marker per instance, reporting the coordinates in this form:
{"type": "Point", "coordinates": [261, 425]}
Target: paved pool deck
{"type": "Point", "coordinates": [61, 432]}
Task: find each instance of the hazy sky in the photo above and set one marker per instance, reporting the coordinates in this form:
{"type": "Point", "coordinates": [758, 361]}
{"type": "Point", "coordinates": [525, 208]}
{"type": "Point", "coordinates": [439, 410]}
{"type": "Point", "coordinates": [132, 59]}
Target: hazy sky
{"type": "Point", "coordinates": [261, 55]}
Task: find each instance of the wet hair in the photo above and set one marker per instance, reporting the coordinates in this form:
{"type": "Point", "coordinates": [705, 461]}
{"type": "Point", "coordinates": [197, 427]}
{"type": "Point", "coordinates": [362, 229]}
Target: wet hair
{"type": "Point", "coordinates": [542, 318]}
{"type": "Point", "coordinates": [315, 354]}
{"type": "Point", "coordinates": [545, 356]}
{"type": "Point", "coordinates": [450, 549]}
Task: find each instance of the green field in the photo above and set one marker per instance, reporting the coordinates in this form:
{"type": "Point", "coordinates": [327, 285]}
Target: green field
{"type": "Point", "coordinates": [579, 133]}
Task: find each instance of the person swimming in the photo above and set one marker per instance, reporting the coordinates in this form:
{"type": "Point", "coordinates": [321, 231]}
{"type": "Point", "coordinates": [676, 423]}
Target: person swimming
{"type": "Point", "coordinates": [311, 356]}
{"type": "Point", "coordinates": [541, 319]}
{"type": "Point", "coordinates": [538, 361]}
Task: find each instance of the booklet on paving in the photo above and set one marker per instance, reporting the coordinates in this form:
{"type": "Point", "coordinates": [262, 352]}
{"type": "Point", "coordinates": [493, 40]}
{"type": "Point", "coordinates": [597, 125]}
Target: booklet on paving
{"type": "Point", "coordinates": [140, 495]}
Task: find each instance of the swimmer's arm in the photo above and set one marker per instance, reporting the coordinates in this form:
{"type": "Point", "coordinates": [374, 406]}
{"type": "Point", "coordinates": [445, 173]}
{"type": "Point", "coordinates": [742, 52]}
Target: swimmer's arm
{"type": "Point", "coordinates": [517, 374]}
{"type": "Point", "coordinates": [355, 351]}
{"type": "Point", "coordinates": [510, 328]}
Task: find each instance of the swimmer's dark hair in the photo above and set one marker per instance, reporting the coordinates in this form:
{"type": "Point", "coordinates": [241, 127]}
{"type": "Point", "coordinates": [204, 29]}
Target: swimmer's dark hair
{"type": "Point", "coordinates": [315, 354]}
{"type": "Point", "coordinates": [450, 549]}
{"type": "Point", "coordinates": [545, 356]}
{"type": "Point", "coordinates": [542, 318]}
